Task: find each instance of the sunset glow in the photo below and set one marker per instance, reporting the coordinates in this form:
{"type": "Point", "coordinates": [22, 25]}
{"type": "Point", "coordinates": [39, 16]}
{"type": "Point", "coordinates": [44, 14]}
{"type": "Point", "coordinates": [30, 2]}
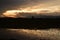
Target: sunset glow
{"type": "Point", "coordinates": [14, 13]}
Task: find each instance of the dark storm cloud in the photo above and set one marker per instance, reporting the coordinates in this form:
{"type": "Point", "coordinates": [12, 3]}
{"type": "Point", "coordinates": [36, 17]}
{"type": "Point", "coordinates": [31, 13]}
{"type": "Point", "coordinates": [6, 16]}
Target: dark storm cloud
{"type": "Point", "coordinates": [9, 4]}
{"type": "Point", "coordinates": [5, 3]}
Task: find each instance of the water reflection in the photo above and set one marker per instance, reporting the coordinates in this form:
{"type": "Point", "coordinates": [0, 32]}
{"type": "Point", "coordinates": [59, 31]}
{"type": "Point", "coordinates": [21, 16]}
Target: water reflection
{"type": "Point", "coordinates": [27, 34]}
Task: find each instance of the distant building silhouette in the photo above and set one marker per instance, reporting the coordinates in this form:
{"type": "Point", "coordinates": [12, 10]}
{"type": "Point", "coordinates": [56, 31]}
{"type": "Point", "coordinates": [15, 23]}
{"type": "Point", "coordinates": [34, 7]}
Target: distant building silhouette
{"type": "Point", "coordinates": [32, 17]}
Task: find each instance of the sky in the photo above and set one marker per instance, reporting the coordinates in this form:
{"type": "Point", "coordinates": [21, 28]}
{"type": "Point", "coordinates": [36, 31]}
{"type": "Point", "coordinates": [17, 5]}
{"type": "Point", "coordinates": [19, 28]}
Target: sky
{"type": "Point", "coordinates": [6, 5]}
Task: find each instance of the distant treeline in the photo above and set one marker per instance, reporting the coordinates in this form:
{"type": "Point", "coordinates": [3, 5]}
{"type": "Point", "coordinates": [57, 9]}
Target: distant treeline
{"type": "Point", "coordinates": [30, 23]}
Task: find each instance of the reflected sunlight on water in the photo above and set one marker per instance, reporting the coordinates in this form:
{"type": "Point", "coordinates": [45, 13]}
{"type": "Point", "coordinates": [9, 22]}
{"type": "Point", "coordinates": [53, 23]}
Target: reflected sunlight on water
{"type": "Point", "coordinates": [51, 33]}
{"type": "Point", "coordinates": [27, 34]}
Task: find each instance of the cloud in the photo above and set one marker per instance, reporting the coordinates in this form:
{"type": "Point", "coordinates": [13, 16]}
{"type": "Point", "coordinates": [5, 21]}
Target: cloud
{"type": "Point", "coordinates": [6, 5]}
{"type": "Point", "coordinates": [29, 12]}
{"type": "Point", "coordinates": [10, 4]}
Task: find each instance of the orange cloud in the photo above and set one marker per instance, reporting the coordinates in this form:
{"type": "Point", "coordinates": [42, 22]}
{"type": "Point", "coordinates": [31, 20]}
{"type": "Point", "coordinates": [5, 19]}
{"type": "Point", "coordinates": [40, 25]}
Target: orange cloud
{"type": "Point", "coordinates": [11, 13]}
{"type": "Point", "coordinates": [31, 11]}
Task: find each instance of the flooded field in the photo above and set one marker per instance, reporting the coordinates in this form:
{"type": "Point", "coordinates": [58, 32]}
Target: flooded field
{"type": "Point", "coordinates": [27, 34]}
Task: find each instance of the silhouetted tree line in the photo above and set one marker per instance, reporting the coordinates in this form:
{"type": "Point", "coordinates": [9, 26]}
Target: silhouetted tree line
{"type": "Point", "coordinates": [42, 23]}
